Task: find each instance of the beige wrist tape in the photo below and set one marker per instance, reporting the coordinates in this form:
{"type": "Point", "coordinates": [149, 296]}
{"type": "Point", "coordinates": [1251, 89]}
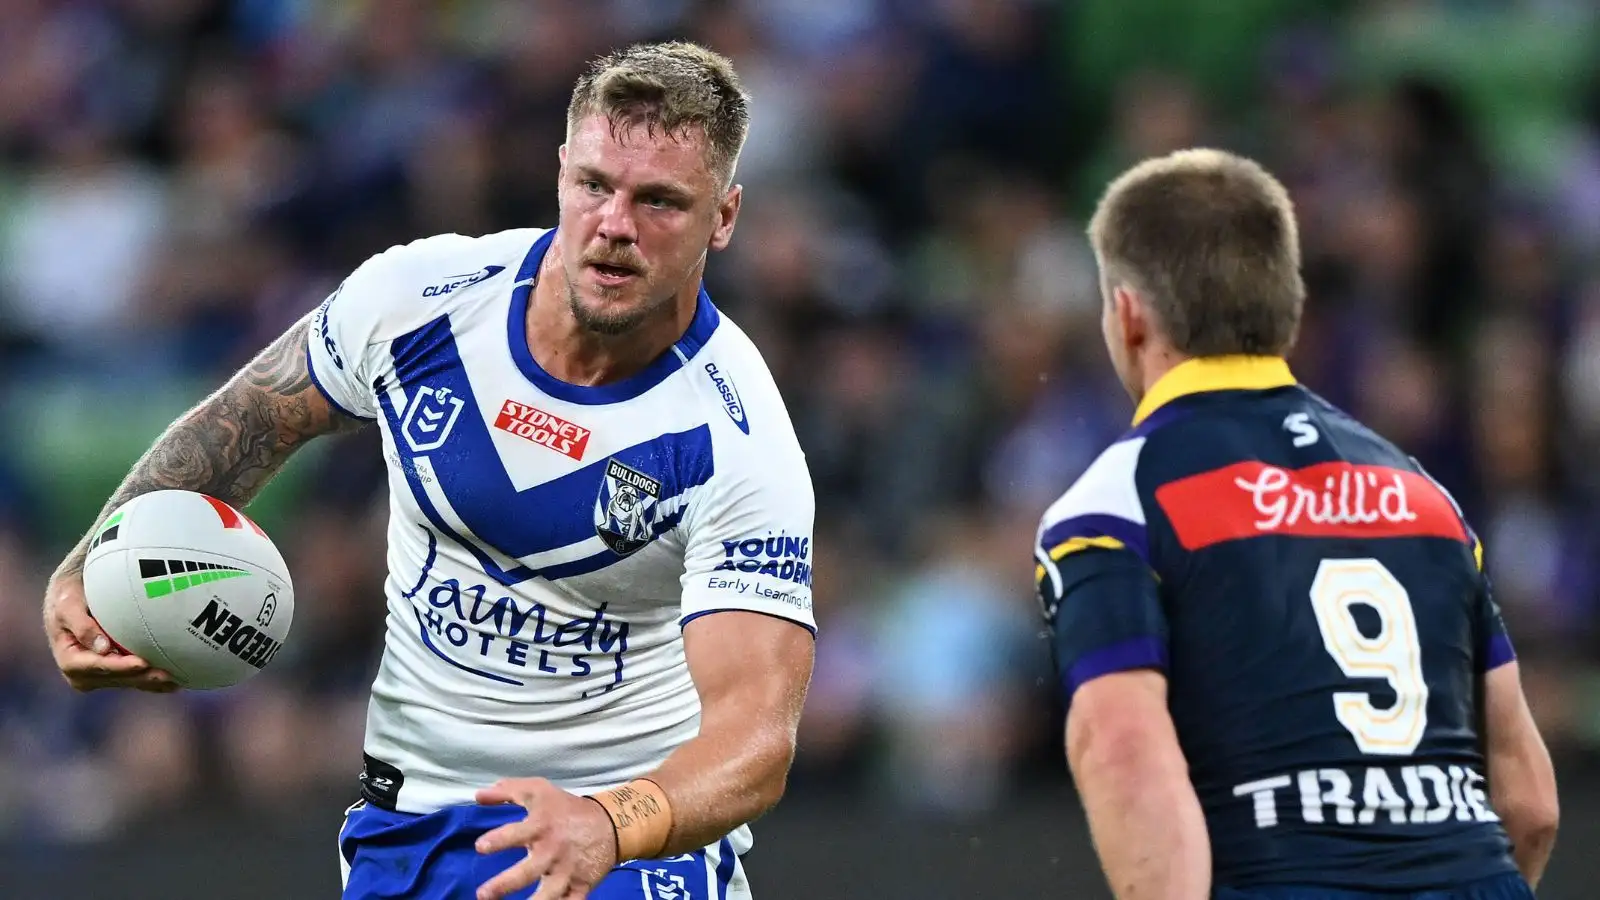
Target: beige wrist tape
{"type": "Point", "coordinates": [640, 816]}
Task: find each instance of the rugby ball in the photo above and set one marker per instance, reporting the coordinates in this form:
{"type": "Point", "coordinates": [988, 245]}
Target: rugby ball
{"type": "Point", "coordinates": [191, 585]}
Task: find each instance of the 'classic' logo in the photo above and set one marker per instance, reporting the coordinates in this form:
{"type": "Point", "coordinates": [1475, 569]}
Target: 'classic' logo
{"type": "Point", "coordinates": [730, 397]}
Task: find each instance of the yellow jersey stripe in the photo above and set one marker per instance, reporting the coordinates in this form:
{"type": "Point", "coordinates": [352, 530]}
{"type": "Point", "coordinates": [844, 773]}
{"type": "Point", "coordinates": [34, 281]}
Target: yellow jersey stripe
{"type": "Point", "coordinates": [1073, 545]}
{"type": "Point", "coordinates": [1214, 373]}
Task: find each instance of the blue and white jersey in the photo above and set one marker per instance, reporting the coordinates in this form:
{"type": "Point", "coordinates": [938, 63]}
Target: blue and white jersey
{"type": "Point", "coordinates": [547, 541]}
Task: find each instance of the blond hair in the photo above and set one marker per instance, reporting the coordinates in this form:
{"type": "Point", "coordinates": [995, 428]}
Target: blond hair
{"type": "Point", "coordinates": [677, 87]}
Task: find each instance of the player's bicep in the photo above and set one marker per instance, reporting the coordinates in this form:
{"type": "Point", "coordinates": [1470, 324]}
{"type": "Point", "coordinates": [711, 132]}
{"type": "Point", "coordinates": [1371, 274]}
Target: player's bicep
{"type": "Point", "coordinates": [1117, 714]}
{"type": "Point", "coordinates": [1508, 722]}
{"type": "Point", "coordinates": [749, 667]}
{"type": "Point", "coordinates": [277, 395]}
{"type": "Point", "coordinates": [1104, 614]}
{"type": "Point", "coordinates": [1521, 777]}
{"type": "Point", "coordinates": [232, 442]}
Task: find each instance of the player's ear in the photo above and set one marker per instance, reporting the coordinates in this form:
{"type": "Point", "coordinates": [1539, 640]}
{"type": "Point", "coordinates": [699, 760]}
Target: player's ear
{"type": "Point", "coordinates": [1132, 315]}
{"type": "Point", "coordinates": [727, 216]}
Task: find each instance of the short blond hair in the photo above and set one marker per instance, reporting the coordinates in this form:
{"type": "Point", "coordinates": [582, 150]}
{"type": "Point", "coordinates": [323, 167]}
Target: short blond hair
{"type": "Point", "coordinates": [675, 86]}
{"type": "Point", "coordinates": [1209, 239]}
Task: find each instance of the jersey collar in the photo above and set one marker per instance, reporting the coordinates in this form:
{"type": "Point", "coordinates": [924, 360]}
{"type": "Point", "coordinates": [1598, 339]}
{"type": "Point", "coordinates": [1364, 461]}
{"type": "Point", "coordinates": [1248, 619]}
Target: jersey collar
{"type": "Point", "coordinates": [701, 327]}
{"type": "Point", "coordinates": [1214, 373]}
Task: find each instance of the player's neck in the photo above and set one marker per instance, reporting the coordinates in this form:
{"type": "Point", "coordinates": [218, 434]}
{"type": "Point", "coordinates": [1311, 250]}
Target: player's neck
{"type": "Point", "coordinates": [572, 353]}
{"type": "Point", "coordinates": [1154, 365]}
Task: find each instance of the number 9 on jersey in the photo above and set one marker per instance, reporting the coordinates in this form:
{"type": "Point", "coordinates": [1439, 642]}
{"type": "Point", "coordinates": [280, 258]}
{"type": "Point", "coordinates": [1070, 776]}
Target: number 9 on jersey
{"type": "Point", "coordinates": [1393, 654]}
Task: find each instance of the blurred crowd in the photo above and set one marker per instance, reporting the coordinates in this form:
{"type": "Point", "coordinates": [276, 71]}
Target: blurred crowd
{"type": "Point", "coordinates": [182, 179]}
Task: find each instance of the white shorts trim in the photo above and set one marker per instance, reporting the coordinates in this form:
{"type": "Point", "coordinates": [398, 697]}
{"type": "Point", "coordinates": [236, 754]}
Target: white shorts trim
{"type": "Point", "coordinates": [344, 864]}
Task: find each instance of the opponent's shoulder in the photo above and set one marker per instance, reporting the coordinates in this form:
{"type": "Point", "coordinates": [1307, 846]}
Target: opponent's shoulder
{"type": "Point", "coordinates": [1103, 507]}
{"type": "Point", "coordinates": [408, 284]}
{"type": "Point", "coordinates": [1356, 440]}
{"type": "Point", "coordinates": [1363, 446]}
{"type": "Point", "coordinates": [1290, 428]}
{"type": "Point", "coordinates": [733, 381]}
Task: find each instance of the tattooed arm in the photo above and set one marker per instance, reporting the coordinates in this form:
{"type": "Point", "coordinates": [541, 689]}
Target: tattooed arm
{"type": "Point", "coordinates": [229, 446]}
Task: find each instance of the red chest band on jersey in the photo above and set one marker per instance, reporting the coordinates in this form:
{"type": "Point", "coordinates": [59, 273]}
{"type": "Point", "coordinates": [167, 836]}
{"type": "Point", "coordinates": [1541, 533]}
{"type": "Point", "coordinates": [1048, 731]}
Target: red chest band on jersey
{"type": "Point", "coordinates": [1337, 500]}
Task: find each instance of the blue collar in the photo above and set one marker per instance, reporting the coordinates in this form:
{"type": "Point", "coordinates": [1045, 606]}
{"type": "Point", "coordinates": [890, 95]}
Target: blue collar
{"type": "Point", "coordinates": [706, 319]}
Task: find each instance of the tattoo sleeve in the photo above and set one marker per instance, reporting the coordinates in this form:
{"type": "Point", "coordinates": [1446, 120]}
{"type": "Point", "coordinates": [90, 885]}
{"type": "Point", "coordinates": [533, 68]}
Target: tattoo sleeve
{"type": "Point", "coordinates": [234, 441]}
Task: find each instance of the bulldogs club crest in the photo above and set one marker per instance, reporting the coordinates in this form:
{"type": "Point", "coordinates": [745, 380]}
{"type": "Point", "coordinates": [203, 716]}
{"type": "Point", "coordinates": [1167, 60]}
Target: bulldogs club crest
{"type": "Point", "coordinates": [625, 511]}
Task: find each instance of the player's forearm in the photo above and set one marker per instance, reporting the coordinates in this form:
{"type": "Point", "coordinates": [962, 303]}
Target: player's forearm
{"type": "Point", "coordinates": [1522, 778]}
{"type": "Point", "coordinates": [1147, 825]}
{"type": "Point", "coordinates": [1531, 851]}
{"type": "Point", "coordinates": [235, 440]}
{"type": "Point", "coordinates": [721, 780]}
{"type": "Point", "coordinates": [1528, 810]}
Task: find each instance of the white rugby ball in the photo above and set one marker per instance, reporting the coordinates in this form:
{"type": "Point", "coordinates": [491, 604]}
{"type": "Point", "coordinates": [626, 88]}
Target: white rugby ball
{"type": "Point", "coordinates": [191, 585]}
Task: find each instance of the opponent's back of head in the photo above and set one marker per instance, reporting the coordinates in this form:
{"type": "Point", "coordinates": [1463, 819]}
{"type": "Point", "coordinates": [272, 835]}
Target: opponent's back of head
{"type": "Point", "coordinates": [677, 87]}
{"type": "Point", "coordinates": [1209, 240]}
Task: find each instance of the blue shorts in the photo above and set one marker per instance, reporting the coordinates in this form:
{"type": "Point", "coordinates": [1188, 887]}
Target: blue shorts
{"type": "Point", "coordinates": [1501, 887]}
{"type": "Point", "coordinates": [391, 855]}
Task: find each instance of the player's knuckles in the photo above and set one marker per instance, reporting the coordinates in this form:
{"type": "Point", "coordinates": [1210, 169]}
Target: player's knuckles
{"type": "Point", "coordinates": [554, 885]}
{"type": "Point", "coordinates": [522, 791]}
{"type": "Point", "coordinates": [541, 825]}
{"type": "Point", "coordinates": [533, 787]}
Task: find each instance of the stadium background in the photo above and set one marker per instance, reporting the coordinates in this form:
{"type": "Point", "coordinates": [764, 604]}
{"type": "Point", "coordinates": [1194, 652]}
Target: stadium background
{"type": "Point", "coordinates": [181, 179]}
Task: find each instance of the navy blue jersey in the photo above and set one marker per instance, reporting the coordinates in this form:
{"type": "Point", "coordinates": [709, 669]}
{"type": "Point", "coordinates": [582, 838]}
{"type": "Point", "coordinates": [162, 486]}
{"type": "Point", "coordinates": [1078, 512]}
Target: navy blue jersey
{"type": "Point", "coordinates": [1319, 608]}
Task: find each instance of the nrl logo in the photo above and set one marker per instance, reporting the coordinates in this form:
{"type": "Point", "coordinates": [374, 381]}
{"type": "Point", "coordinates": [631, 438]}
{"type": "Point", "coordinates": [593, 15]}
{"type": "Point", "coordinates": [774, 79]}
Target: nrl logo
{"type": "Point", "coordinates": [430, 417]}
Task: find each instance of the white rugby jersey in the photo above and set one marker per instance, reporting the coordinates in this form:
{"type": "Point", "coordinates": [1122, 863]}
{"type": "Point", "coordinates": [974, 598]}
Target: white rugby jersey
{"type": "Point", "coordinates": [547, 541]}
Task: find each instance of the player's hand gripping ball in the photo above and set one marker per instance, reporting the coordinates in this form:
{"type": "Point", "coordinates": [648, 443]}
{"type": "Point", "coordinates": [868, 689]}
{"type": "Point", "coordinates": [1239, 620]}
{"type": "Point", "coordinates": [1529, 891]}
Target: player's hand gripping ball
{"type": "Point", "coordinates": [190, 584]}
{"type": "Point", "coordinates": [82, 651]}
{"type": "Point", "coordinates": [569, 840]}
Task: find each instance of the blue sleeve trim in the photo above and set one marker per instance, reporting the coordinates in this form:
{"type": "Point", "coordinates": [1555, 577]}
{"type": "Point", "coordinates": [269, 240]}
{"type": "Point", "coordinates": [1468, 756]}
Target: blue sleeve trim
{"type": "Point", "coordinates": [1499, 652]}
{"type": "Point", "coordinates": [1137, 653]}
{"type": "Point", "coordinates": [1130, 533]}
{"type": "Point", "coordinates": [311, 367]}
{"type": "Point", "coordinates": [707, 612]}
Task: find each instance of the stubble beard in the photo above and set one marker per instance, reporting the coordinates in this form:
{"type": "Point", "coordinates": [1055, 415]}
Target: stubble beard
{"type": "Point", "coordinates": [604, 322]}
